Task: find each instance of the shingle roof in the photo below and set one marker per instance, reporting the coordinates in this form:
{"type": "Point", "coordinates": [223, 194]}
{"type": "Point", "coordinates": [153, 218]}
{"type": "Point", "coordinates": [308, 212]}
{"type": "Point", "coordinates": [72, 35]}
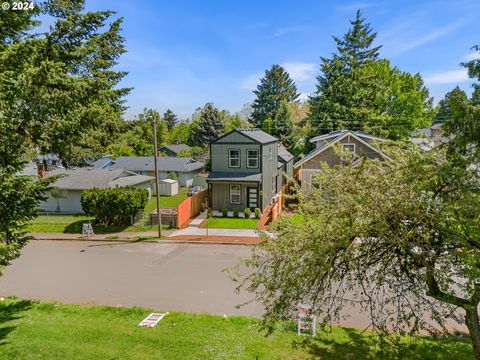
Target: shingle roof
{"type": "Point", "coordinates": [30, 169]}
{"type": "Point", "coordinates": [334, 137]}
{"type": "Point", "coordinates": [234, 176]}
{"type": "Point", "coordinates": [258, 135]}
{"type": "Point", "coordinates": [176, 148]}
{"type": "Point", "coordinates": [146, 163]}
{"type": "Point", "coordinates": [335, 134]}
{"type": "Point", "coordinates": [284, 154]}
{"type": "Point", "coordinates": [88, 178]}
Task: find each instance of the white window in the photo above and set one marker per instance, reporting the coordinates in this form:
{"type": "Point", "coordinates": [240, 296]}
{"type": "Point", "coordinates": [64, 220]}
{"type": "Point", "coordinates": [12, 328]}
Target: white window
{"type": "Point", "coordinates": [348, 147]}
{"type": "Point", "coordinates": [234, 158]}
{"type": "Point", "coordinates": [235, 194]}
{"type": "Point", "coordinates": [252, 158]}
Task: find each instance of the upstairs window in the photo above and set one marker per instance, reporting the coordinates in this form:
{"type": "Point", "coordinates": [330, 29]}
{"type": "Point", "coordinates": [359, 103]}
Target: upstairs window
{"type": "Point", "coordinates": [348, 147]}
{"type": "Point", "coordinates": [252, 158]}
{"type": "Point", "coordinates": [234, 158]}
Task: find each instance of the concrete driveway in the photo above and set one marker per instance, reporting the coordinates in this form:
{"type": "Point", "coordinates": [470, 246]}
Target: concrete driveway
{"type": "Point", "coordinates": [170, 277]}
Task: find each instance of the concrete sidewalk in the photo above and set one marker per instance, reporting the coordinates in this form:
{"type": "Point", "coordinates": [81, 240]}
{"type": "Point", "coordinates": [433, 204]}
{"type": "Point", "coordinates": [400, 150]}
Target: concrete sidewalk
{"type": "Point", "coordinates": [189, 234]}
{"type": "Point", "coordinates": [193, 231]}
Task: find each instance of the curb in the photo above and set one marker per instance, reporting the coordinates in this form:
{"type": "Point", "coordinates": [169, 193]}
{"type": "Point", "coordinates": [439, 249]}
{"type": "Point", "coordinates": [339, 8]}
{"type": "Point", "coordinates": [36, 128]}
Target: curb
{"type": "Point", "coordinates": [146, 241]}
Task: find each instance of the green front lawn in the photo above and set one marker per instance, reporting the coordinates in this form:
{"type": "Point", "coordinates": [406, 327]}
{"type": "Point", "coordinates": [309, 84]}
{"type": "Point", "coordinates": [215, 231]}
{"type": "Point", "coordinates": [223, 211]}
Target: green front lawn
{"type": "Point", "coordinates": [33, 330]}
{"type": "Point", "coordinates": [230, 223]}
{"type": "Point", "coordinates": [72, 224]}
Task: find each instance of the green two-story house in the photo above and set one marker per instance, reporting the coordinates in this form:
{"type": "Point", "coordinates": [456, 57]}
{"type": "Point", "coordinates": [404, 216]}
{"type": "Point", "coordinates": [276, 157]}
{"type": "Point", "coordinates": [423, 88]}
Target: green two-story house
{"type": "Point", "coordinates": [246, 170]}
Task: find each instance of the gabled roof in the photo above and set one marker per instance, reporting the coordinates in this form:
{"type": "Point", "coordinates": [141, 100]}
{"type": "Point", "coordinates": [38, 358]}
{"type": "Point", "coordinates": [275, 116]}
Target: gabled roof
{"type": "Point", "coordinates": [254, 134]}
{"type": "Point", "coordinates": [176, 148]}
{"type": "Point", "coordinates": [334, 137]}
{"type": "Point", "coordinates": [88, 178]}
{"type": "Point", "coordinates": [334, 134]}
{"type": "Point", "coordinates": [147, 163]}
{"type": "Point", "coordinates": [283, 153]}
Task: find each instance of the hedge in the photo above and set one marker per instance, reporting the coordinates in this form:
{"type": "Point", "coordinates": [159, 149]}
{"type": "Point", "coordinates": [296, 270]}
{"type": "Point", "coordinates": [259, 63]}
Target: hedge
{"type": "Point", "coordinates": [113, 206]}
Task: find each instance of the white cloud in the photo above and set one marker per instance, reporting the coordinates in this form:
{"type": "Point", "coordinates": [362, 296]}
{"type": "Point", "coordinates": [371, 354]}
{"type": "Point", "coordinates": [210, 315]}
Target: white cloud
{"type": "Point", "coordinates": [250, 82]}
{"type": "Point", "coordinates": [447, 77]}
{"type": "Point", "coordinates": [472, 56]}
{"type": "Point", "coordinates": [289, 29]}
{"type": "Point", "coordinates": [300, 71]}
{"type": "Point", "coordinates": [358, 5]}
{"type": "Point", "coordinates": [422, 39]}
{"type": "Point", "coordinates": [303, 97]}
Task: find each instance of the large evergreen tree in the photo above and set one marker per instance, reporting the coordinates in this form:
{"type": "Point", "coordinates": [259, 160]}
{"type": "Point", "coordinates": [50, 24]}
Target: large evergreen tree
{"type": "Point", "coordinates": [444, 111]}
{"type": "Point", "coordinates": [209, 125]}
{"type": "Point", "coordinates": [283, 125]}
{"type": "Point", "coordinates": [58, 93]}
{"type": "Point", "coordinates": [170, 118]}
{"type": "Point", "coordinates": [338, 102]}
{"type": "Point", "coordinates": [276, 86]}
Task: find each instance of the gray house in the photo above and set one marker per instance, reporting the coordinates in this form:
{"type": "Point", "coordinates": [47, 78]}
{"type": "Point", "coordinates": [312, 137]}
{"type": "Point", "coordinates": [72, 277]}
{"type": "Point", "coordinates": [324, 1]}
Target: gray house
{"type": "Point", "coordinates": [184, 168]}
{"type": "Point", "coordinates": [174, 149]}
{"type": "Point", "coordinates": [66, 191]}
{"type": "Point", "coordinates": [358, 142]}
{"type": "Point", "coordinates": [245, 170]}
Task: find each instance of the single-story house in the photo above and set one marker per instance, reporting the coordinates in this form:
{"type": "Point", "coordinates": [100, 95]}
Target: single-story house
{"type": "Point", "coordinates": [358, 142]}
{"type": "Point", "coordinates": [185, 168]}
{"type": "Point", "coordinates": [174, 149]}
{"type": "Point", "coordinates": [66, 191]}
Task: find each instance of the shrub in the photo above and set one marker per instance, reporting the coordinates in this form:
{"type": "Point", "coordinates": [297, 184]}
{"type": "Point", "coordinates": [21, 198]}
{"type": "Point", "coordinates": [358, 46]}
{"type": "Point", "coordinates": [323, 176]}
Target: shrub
{"type": "Point", "coordinates": [209, 213]}
{"type": "Point", "coordinates": [258, 213]}
{"type": "Point", "coordinates": [172, 175]}
{"type": "Point", "coordinates": [224, 212]}
{"type": "Point", "coordinates": [113, 206]}
{"type": "Point", "coordinates": [235, 213]}
{"type": "Point", "coordinates": [248, 212]}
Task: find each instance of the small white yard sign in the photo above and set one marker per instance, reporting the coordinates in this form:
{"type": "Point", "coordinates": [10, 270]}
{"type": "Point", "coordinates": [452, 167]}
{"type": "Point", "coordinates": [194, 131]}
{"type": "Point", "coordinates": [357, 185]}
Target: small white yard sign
{"type": "Point", "coordinates": [151, 320]}
{"type": "Point", "coordinates": [87, 229]}
{"type": "Point", "coordinates": [306, 320]}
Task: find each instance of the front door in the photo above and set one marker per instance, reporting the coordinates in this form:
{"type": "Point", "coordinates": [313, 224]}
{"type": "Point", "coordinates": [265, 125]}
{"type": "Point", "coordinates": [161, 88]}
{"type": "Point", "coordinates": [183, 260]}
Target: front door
{"type": "Point", "coordinates": [252, 197]}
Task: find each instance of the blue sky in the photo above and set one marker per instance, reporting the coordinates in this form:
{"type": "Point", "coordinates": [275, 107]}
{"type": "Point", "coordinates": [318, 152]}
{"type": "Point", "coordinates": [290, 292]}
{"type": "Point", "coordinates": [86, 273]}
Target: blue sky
{"type": "Point", "coordinates": [182, 54]}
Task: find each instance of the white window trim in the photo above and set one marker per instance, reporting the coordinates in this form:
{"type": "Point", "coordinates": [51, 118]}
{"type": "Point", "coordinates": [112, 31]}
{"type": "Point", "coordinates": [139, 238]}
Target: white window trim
{"type": "Point", "coordinates": [230, 158]}
{"type": "Point", "coordinates": [239, 194]}
{"type": "Point", "coordinates": [256, 159]}
{"type": "Point", "coordinates": [349, 144]}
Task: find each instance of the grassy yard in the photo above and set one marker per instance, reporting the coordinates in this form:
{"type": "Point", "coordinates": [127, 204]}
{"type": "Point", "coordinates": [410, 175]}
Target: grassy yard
{"type": "Point", "coordinates": [72, 224]}
{"type": "Point", "coordinates": [32, 330]}
{"type": "Point", "coordinates": [230, 223]}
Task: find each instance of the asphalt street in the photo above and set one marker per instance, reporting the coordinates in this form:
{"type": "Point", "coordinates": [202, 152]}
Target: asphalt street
{"type": "Point", "coordinates": [161, 276]}
{"type": "Point", "coordinates": [168, 277]}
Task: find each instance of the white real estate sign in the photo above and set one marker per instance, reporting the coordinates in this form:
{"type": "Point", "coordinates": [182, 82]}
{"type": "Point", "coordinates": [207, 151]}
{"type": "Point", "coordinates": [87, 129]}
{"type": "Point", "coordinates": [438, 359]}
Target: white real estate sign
{"type": "Point", "coordinates": [151, 320]}
{"type": "Point", "coordinates": [306, 320]}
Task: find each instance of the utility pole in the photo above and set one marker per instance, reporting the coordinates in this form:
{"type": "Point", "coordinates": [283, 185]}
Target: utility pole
{"type": "Point", "coordinates": [157, 185]}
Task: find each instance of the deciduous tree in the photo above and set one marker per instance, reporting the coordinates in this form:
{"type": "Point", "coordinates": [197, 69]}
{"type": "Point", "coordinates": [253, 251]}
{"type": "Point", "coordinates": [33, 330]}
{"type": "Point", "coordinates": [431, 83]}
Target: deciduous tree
{"type": "Point", "coordinates": [398, 240]}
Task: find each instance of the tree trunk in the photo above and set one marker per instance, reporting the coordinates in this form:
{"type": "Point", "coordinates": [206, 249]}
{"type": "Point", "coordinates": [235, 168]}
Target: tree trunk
{"type": "Point", "coordinates": [473, 324]}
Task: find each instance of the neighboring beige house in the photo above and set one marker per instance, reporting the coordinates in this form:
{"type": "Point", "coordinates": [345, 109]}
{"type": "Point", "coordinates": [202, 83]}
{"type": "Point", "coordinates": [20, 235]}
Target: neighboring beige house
{"type": "Point", "coordinates": [359, 142]}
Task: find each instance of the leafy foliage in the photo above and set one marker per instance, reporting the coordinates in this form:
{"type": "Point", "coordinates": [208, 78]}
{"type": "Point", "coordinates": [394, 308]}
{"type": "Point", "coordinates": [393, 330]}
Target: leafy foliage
{"type": "Point", "coordinates": [209, 126]}
{"type": "Point", "coordinates": [59, 93]}
{"type": "Point", "coordinates": [113, 206]}
{"type": "Point", "coordinates": [276, 86]}
{"type": "Point", "coordinates": [359, 92]}
{"type": "Point", "coordinates": [400, 237]}
{"type": "Point", "coordinates": [170, 118]}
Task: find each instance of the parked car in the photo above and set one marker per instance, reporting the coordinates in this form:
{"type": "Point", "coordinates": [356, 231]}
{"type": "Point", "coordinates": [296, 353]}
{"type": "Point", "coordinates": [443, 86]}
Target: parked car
{"type": "Point", "coordinates": [194, 190]}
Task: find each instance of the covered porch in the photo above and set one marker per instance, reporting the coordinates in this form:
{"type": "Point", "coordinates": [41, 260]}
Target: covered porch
{"type": "Point", "coordinates": [234, 191]}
